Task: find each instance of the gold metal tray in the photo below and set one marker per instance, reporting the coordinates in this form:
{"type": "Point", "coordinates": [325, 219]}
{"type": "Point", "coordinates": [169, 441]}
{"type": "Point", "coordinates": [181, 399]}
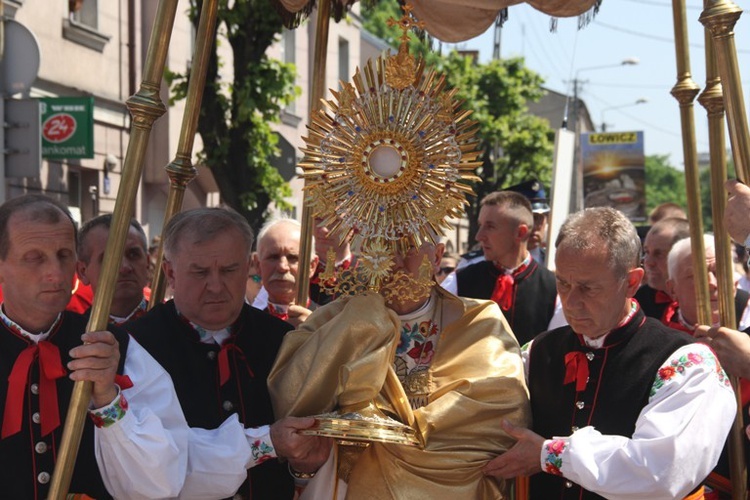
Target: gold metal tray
{"type": "Point", "coordinates": [361, 426]}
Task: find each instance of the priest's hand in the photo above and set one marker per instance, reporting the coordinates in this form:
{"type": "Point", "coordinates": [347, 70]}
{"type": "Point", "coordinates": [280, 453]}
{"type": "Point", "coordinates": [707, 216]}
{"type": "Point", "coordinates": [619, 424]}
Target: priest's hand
{"type": "Point", "coordinates": [736, 212]}
{"type": "Point", "coordinates": [297, 315]}
{"type": "Point", "coordinates": [96, 361]}
{"type": "Point", "coordinates": [731, 346]}
{"type": "Point", "coordinates": [305, 453]}
{"type": "Point", "coordinates": [523, 459]}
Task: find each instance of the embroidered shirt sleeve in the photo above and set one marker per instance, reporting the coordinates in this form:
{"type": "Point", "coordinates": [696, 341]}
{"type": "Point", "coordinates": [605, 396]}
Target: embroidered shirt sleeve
{"type": "Point", "coordinates": [112, 413]}
{"type": "Point", "coordinates": [553, 455]}
{"type": "Point", "coordinates": [261, 446]}
{"type": "Point", "coordinates": [686, 362]}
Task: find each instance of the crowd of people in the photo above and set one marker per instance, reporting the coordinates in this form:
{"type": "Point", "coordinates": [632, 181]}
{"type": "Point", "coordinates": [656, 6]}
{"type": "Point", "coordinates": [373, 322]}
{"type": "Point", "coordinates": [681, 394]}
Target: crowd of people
{"type": "Point", "coordinates": [593, 380]}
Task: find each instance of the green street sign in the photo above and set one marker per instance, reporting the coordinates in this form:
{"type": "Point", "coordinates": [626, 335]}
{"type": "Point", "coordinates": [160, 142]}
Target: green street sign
{"type": "Point", "coordinates": [67, 127]}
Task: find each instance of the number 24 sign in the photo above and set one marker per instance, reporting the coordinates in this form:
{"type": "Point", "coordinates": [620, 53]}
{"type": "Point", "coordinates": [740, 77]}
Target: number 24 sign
{"type": "Point", "coordinates": [59, 128]}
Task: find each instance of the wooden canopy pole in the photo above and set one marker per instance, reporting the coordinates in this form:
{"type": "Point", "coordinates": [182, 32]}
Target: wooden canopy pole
{"type": "Point", "coordinates": [317, 93]}
{"type": "Point", "coordinates": [719, 18]}
{"type": "Point", "coordinates": [685, 91]}
{"type": "Point", "coordinates": [145, 107]}
{"type": "Point", "coordinates": [181, 170]}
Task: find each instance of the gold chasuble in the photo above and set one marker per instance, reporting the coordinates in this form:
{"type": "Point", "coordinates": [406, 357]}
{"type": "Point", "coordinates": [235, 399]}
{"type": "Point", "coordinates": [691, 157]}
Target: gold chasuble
{"type": "Point", "coordinates": [340, 356]}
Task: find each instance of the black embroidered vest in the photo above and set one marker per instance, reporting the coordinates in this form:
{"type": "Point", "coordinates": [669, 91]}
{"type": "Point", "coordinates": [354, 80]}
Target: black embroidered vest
{"type": "Point", "coordinates": [621, 375]}
{"type": "Point", "coordinates": [194, 368]}
{"type": "Point", "coordinates": [534, 294]}
{"type": "Point", "coordinates": [27, 460]}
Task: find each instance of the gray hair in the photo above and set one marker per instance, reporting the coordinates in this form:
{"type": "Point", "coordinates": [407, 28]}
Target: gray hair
{"type": "Point", "coordinates": [594, 227]}
{"type": "Point", "coordinates": [204, 224]}
{"type": "Point", "coordinates": [683, 248]}
{"type": "Point", "coordinates": [284, 220]}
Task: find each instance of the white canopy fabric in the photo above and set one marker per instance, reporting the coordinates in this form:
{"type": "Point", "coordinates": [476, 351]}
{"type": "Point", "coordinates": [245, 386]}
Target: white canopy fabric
{"type": "Point", "coordinates": [459, 20]}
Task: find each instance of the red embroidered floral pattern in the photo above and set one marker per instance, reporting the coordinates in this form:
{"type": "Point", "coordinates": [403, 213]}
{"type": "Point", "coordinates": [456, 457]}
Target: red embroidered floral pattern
{"type": "Point", "coordinates": [422, 352]}
{"type": "Point", "coordinates": [261, 451]}
{"type": "Point", "coordinates": [553, 461]}
{"type": "Point", "coordinates": [679, 366]}
{"type": "Point", "coordinates": [111, 413]}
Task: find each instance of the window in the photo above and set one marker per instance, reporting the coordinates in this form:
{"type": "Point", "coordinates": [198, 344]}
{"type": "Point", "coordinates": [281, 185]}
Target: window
{"type": "Point", "coordinates": [344, 74]}
{"type": "Point", "coordinates": [288, 42]}
{"type": "Point", "coordinates": [81, 25]}
{"type": "Point", "coordinates": [84, 12]}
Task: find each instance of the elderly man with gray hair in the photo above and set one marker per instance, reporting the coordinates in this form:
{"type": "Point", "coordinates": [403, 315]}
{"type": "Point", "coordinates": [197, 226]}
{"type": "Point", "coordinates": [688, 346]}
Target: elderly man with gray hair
{"type": "Point", "coordinates": [277, 258]}
{"type": "Point", "coordinates": [681, 285]}
{"type": "Point", "coordinates": [620, 402]}
{"type": "Point", "coordinates": [219, 351]}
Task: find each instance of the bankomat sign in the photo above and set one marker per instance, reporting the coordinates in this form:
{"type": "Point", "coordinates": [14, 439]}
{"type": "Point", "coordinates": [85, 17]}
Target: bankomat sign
{"type": "Point", "coordinates": [67, 127]}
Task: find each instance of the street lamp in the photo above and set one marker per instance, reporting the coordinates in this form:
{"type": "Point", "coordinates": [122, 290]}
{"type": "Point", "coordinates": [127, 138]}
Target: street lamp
{"type": "Point", "coordinates": [641, 100]}
{"type": "Point", "coordinates": [628, 61]}
{"type": "Point", "coordinates": [576, 202]}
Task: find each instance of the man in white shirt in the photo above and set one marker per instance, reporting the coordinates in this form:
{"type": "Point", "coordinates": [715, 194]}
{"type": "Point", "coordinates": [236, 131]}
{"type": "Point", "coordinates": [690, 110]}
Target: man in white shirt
{"type": "Point", "coordinates": [136, 435]}
{"type": "Point", "coordinates": [218, 351]}
{"type": "Point", "coordinates": [620, 402]}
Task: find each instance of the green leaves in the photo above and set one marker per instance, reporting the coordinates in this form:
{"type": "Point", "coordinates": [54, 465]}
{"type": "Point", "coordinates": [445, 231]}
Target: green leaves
{"type": "Point", "coordinates": [236, 116]}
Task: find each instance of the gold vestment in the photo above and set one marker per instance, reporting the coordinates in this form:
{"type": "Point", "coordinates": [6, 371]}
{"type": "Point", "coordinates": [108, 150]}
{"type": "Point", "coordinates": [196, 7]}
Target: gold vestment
{"type": "Point", "coordinates": [339, 357]}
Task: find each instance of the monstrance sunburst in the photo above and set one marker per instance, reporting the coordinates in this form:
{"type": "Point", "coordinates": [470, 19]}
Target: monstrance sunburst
{"type": "Point", "coordinates": [388, 159]}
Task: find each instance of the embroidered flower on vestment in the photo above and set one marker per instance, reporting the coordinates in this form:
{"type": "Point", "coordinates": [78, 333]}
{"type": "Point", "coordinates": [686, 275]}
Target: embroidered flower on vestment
{"type": "Point", "coordinates": [261, 451]}
{"type": "Point", "coordinates": [409, 332]}
{"type": "Point", "coordinates": [553, 461]}
{"type": "Point", "coordinates": [422, 352]}
{"type": "Point", "coordinates": [682, 364]}
{"type": "Point", "coordinates": [695, 358]}
{"type": "Point", "coordinates": [427, 328]}
{"type": "Point", "coordinates": [98, 421]}
{"type": "Point", "coordinates": [667, 372]}
{"type": "Point", "coordinates": [111, 413]}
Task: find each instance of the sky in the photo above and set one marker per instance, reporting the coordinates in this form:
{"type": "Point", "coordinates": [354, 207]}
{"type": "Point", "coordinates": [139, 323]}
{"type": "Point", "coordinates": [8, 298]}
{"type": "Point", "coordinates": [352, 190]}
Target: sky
{"type": "Point", "coordinates": [623, 29]}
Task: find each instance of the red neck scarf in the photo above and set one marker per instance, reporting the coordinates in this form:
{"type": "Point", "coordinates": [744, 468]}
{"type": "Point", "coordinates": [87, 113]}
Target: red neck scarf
{"type": "Point", "coordinates": [281, 312]}
{"type": "Point", "coordinates": [577, 362]}
{"type": "Point", "coordinates": [662, 297]}
{"type": "Point", "coordinates": [576, 369]}
{"type": "Point", "coordinates": [50, 369]}
{"type": "Point", "coordinates": [671, 318]}
{"type": "Point", "coordinates": [503, 294]}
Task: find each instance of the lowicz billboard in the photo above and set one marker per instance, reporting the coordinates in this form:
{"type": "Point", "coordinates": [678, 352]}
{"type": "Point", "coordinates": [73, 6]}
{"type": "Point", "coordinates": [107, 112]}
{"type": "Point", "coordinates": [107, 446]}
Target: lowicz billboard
{"type": "Point", "coordinates": [614, 172]}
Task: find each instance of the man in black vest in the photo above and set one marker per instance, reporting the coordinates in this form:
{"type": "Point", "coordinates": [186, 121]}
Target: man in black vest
{"type": "Point", "coordinates": [524, 290]}
{"type": "Point", "coordinates": [140, 450]}
{"type": "Point", "coordinates": [128, 301]}
{"type": "Point", "coordinates": [620, 403]}
{"type": "Point", "coordinates": [652, 296]}
{"type": "Point", "coordinates": [219, 351]}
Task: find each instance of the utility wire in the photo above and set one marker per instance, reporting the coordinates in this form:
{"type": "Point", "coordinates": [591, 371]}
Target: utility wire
{"type": "Point", "coordinates": [653, 37]}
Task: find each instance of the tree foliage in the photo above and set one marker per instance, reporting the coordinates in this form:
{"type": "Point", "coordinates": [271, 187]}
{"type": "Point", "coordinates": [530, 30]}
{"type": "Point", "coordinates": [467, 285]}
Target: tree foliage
{"type": "Point", "coordinates": [664, 183]}
{"type": "Point", "coordinates": [515, 145]}
{"type": "Point", "coordinates": [236, 116]}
